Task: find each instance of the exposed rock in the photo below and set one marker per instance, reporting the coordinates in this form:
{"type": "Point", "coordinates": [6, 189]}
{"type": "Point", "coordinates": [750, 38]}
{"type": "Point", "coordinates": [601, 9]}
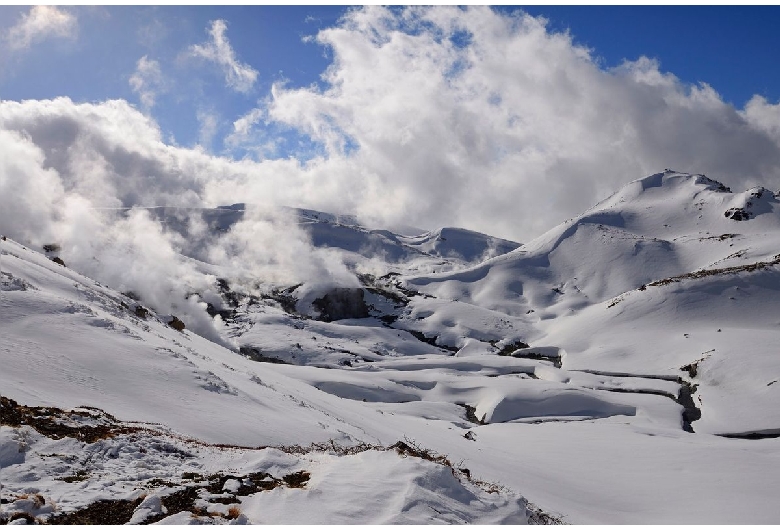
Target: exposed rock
{"type": "Point", "coordinates": [512, 347]}
{"type": "Point", "coordinates": [341, 303]}
{"type": "Point", "coordinates": [256, 355]}
{"type": "Point", "coordinates": [176, 324]}
{"type": "Point", "coordinates": [433, 341]}
{"type": "Point", "coordinates": [692, 368]}
{"type": "Point", "coordinates": [737, 214]}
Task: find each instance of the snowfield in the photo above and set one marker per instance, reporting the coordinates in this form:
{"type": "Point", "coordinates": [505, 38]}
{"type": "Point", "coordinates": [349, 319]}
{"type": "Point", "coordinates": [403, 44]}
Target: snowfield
{"type": "Point", "coordinates": [621, 368]}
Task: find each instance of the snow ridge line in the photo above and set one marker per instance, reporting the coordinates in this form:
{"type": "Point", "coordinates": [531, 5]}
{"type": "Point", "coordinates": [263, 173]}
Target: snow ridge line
{"type": "Point", "coordinates": [752, 267]}
{"type": "Point", "coordinates": [697, 275]}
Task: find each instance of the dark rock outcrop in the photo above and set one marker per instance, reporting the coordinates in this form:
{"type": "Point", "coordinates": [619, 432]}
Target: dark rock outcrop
{"type": "Point", "coordinates": [341, 303]}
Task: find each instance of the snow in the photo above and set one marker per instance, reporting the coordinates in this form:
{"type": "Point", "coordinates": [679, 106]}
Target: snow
{"type": "Point", "coordinates": [566, 373]}
{"type": "Point", "coordinates": [392, 488]}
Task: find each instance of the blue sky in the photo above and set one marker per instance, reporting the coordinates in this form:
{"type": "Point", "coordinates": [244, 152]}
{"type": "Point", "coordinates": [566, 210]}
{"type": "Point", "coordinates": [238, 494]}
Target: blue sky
{"type": "Point", "coordinates": [733, 49]}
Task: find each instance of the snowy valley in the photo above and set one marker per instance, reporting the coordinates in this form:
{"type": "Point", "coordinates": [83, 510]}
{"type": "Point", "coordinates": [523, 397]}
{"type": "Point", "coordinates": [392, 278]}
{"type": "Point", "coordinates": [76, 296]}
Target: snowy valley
{"type": "Point", "coordinates": [621, 368]}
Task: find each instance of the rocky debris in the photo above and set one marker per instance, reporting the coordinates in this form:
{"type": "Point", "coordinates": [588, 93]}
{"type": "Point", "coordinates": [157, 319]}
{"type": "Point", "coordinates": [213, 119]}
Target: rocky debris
{"type": "Point", "coordinates": [100, 512]}
{"type": "Point", "coordinates": [218, 489]}
{"type": "Point", "coordinates": [86, 425]}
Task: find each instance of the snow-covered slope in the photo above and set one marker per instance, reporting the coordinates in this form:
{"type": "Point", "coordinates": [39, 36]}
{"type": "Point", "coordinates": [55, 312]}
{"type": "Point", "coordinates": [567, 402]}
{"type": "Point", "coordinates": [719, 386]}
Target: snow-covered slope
{"type": "Point", "coordinates": [621, 368]}
{"type": "Point", "coordinates": [72, 343]}
{"type": "Point", "coordinates": [658, 276]}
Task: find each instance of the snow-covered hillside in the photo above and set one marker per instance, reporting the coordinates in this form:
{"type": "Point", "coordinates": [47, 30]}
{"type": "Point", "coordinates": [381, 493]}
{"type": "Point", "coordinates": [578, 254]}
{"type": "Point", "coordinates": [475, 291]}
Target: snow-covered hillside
{"type": "Point", "coordinates": [621, 368]}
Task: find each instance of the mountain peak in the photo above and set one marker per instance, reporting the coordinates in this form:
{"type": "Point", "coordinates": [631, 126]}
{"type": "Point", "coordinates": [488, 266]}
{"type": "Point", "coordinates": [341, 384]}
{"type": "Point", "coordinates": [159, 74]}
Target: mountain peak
{"type": "Point", "coordinates": [671, 178]}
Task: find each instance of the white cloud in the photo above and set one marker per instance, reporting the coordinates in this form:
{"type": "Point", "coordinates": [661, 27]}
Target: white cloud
{"type": "Point", "coordinates": [40, 23]}
{"type": "Point", "coordinates": [763, 115]}
{"type": "Point", "coordinates": [147, 81]}
{"type": "Point", "coordinates": [238, 76]}
{"type": "Point", "coordinates": [510, 134]}
{"type": "Point", "coordinates": [263, 142]}
{"type": "Point", "coordinates": [243, 125]}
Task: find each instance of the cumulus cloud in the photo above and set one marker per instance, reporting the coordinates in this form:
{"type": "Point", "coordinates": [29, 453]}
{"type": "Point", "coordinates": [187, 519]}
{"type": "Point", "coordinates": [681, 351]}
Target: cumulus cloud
{"type": "Point", "coordinates": [238, 76]}
{"type": "Point", "coordinates": [763, 115]}
{"type": "Point", "coordinates": [147, 81]}
{"type": "Point", "coordinates": [40, 23]}
{"type": "Point", "coordinates": [428, 117]}
{"type": "Point", "coordinates": [470, 117]}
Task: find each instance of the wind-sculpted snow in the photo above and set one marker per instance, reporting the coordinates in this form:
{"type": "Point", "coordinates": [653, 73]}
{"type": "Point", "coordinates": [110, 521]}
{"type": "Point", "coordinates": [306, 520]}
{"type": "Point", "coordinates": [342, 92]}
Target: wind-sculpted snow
{"type": "Point", "coordinates": [635, 342]}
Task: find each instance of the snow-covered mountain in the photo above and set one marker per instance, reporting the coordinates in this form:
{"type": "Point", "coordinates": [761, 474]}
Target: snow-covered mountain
{"type": "Point", "coordinates": [442, 248]}
{"type": "Point", "coordinates": [621, 368]}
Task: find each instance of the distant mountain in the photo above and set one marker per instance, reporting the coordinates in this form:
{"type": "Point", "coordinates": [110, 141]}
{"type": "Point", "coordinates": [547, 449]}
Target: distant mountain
{"type": "Point", "coordinates": [345, 232]}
